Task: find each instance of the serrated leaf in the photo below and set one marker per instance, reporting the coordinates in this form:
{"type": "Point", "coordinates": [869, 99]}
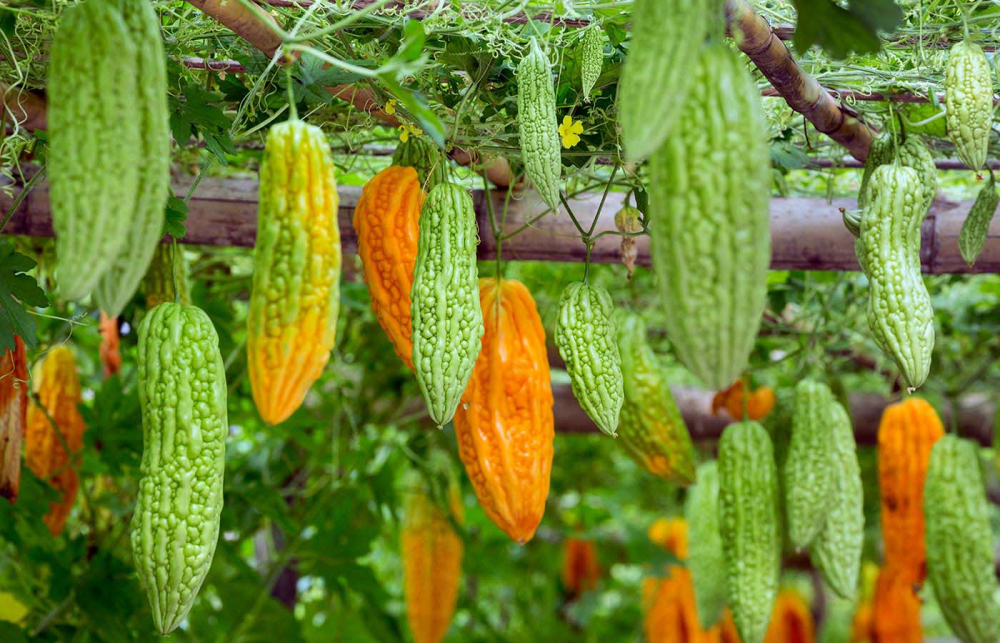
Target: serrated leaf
{"type": "Point", "coordinates": [176, 216]}
{"type": "Point", "coordinates": [17, 290]}
{"type": "Point", "coordinates": [839, 31]}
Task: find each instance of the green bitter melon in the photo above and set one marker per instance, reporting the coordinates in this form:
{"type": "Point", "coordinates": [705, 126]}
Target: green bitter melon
{"type": "Point", "coordinates": [537, 124]}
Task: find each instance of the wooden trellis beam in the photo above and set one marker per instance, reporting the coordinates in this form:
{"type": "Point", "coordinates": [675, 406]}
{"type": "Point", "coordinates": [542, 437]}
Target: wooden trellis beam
{"type": "Point", "coordinates": [807, 233]}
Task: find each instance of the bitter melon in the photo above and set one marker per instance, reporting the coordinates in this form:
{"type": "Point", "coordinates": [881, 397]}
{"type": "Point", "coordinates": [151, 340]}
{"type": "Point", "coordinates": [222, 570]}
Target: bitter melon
{"type": "Point", "coordinates": [960, 562]}
{"type": "Point", "coordinates": [705, 556]}
{"type": "Point", "coordinates": [182, 394]}
{"type": "Point", "coordinates": [537, 124]}
{"type": "Point", "coordinates": [167, 277]}
{"type": "Point", "coordinates": [650, 426]}
{"type": "Point", "coordinates": [95, 141]}
{"type": "Point", "coordinates": [968, 88]}
{"type": "Point", "coordinates": [809, 467]}
{"type": "Point", "coordinates": [295, 297]}
{"type": "Point", "coordinates": [656, 78]}
{"type": "Point", "coordinates": [709, 190]}
{"type": "Point", "coordinates": [836, 552]}
{"type": "Point", "coordinates": [591, 59]}
{"type": "Point", "coordinates": [899, 309]}
{"type": "Point", "coordinates": [444, 300]}
{"type": "Point", "coordinates": [119, 283]}
{"type": "Point", "coordinates": [587, 340]}
{"type": "Point", "coordinates": [977, 222]}
{"type": "Point", "coordinates": [750, 526]}
{"type": "Point", "coordinates": [423, 156]}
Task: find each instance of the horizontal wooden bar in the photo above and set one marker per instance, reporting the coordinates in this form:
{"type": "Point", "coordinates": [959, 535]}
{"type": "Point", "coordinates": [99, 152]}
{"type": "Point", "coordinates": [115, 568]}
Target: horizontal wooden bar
{"type": "Point", "coordinates": [806, 233]}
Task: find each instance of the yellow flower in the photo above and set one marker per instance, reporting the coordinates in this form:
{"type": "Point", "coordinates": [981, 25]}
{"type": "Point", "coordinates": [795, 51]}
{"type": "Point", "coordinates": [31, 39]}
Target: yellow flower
{"type": "Point", "coordinates": [404, 134]}
{"type": "Point", "coordinates": [390, 107]}
{"type": "Point", "coordinates": [416, 131]}
{"type": "Point", "coordinates": [570, 131]}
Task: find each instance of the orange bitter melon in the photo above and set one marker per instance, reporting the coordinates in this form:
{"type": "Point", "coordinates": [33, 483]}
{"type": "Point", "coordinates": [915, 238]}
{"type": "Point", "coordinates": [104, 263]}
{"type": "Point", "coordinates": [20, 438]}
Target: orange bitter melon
{"type": "Point", "coordinates": [111, 358]}
{"type": "Point", "coordinates": [46, 454]}
{"type": "Point", "coordinates": [504, 424]}
{"type": "Point", "coordinates": [386, 220]}
{"type": "Point", "coordinates": [906, 434]}
{"type": "Point", "coordinates": [581, 570]}
{"type": "Point", "coordinates": [432, 564]}
{"type": "Point", "coordinates": [791, 620]}
{"type": "Point", "coordinates": [757, 404]}
{"type": "Point", "coordinates": [13, 417]}
{"type": "Point", "coordinates": [895, 610]}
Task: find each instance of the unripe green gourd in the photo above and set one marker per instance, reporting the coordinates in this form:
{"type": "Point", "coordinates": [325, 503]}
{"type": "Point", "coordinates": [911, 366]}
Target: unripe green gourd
{"type": "Point", "coordinates": [968, 87]}
{"type": "Point", "coordinates": [809, 467]}
{"type": "Point", "coordinates": [750, 526]}
{"type": "Point", "coordinates": [709, 193]}
{"type": "Point", "coordinates": [650, 426]}
{"type": "Point", "coordinates": [959, 542]}
{"type": "Point", "coordinates": [423, 156]}
{"type": "Point", "coordinates": [977, 222]}
{"type": "Point", "coordinates": [591, 59]}
{"type": "Point", "coordinates": [444, 300]}
{"type": "Point", "coordinates": [182, 393]}
{"type": "Point", "coordinates": [586, 336]}
{"type": "Point", "coordinates": [656, 77]}
{"type": "Point", "coordinates": [537, 124]}
{"type": "Point", "coordinates": [95, 141]}
{"type": "Point", "coordinates": [899, 308]}
{"type": "Point", "coordinates": [705, 560]}
{"type": "Point", "coordinates": [120, 282]}
{"type": "Point", "coordinates": [836, 551]}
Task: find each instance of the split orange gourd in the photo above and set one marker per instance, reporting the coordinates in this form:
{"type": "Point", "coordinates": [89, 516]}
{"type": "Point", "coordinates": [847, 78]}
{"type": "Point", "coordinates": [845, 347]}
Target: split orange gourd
{"type": "Point", "coordinates": [906, 434]}
{"type": "Point", "coordinates": [13, 417]}
{"type": "Point", "coordinates": [791, 620]}
{"type": "Point", "coordinates": [58, 390]}
{"type": "Point", "coordinates": [386, 221]}
{"type": "Point", "coordinates": [504, 423]}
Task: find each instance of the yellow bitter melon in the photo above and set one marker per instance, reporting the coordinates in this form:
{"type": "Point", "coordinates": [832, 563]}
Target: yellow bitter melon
{"type": "Point", "coordinates": [95, 141]}
{"type": "Point", "coordinates": [656, 78]}
{"type": "Point", "coordinates": [587, 340]}
{"type": "Point", "coordinates": [119, 283]}
{"type": "Point", "coordinates": [809, 467]}
{"type": "Point", "coordinates": [836, 551]}
{"type": "Point", "coordinates": [750, 526]}
{"type": "Point", "coordinates": [709, 190]}
{"type": "Point", "coordinates": [445, 306]}
{"type": "Point", "coordinates": [968, 87]}
{"type": "Point", "coordinates": [899, 309]}
{"type": "Point", "coordinates": [295, 298]}
{"type": "Point", "coordinates": [537, 125]}
{"type": "Point", "coordinates": [182, 393]}
{"type": "Point", "coordinates": [650, 426]}
{"type": "Point", "coordinates": [960, 562]}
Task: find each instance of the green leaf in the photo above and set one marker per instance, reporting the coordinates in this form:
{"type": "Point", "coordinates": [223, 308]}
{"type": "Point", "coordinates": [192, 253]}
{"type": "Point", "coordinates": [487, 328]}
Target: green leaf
{"type": "Point", "coordinates": [17, 290]}
{"type": "Point", "coordinates": [177, 211]}
{"type": "Point", "coordinates": [839, 31]}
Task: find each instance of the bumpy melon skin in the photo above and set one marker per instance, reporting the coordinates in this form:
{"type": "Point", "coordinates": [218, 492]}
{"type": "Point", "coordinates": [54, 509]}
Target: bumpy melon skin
{"type": "Point", "coordinates": [591, 59]}
{"type": "Point", "coordinates": [960, 562]}
{"type": "Point", "coordinates": [656, 78]}
{"type": "Point", "coordinates": [977, 223]}
{"type": "Point", "coordinates": [836, 552]}
{"type": "Point", "coordinates": [295, 298]}
{"type": "Point", "coordinates": [182, 394]}
{"type": "Point", "coordinates": [750, 526]}
{"type": "Point", "coordinates": [120, 282]}
{"type": "Point", "coordinates": [537, 124]}
{"type": "Point", "coordinates": [425, 158]}
{"type": "Point", "coordinates": [650, 426]}
{"type": "Point", "coordinates": [809, 468]}
{"type": "Point", "coordinates": [709, 192]}
{"type": "Point", "coordinates": [705, 558]}
{"type": "Point", "coordinates": [444, 300]}
{"type": "Point", "coordinates": [900, 315]}
{"type": "Point", "coordinates": [968, 87]}
{"type": "Point", "coordinates": [586, 336]}
{"type": "Point", "coordinates": [95, 141]}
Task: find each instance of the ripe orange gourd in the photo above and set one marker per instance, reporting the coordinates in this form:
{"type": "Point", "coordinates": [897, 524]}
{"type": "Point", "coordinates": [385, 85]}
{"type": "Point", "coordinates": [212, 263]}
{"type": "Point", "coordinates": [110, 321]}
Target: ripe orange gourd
{"type": "Point", "coordinates": [671, 534]}
{"type": "Point", "coordinates": [58, 390]}
{"type": "Point", "coordinates": [385, 220]}
{"type": "Point", "coordinates": [671, 615]}
{"type": "Point", "coordinates": [13, 417]}
{"type": "Point", "coordinates": [432, 565]}
{"type": "Point", "coordinates": [895, 609]}
{"type": "Point", "coordinates": [758, 402]}
{"type": "Point", "coordinates": [791, 621]}
{"type": "Point", "coordinates": [906, 434]}
{"type": "Point", "coordinates": [504, 423]}
{"type": "Point", "coordinates": [111, 358]}
{"type": "Point", "coordinates": [580, 568]}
